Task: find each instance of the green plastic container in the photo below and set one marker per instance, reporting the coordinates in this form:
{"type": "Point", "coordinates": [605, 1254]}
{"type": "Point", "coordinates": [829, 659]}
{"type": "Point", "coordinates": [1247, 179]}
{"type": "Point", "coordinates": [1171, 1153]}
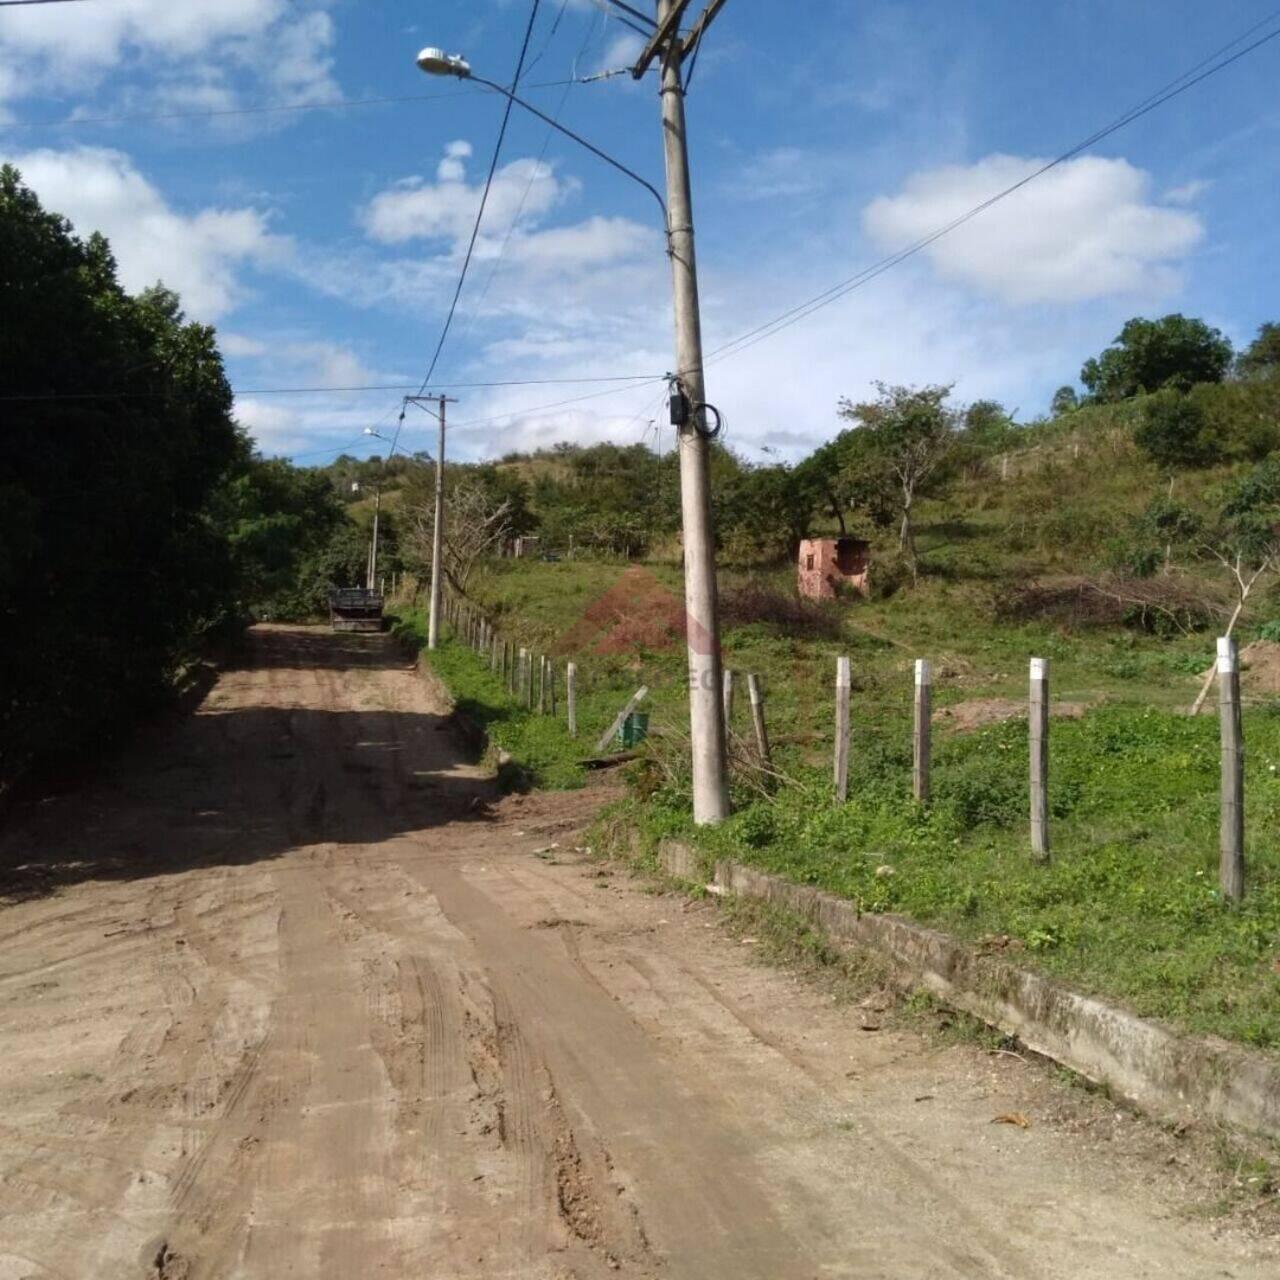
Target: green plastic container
{"type": "Point", "coordinates": [635, 729]}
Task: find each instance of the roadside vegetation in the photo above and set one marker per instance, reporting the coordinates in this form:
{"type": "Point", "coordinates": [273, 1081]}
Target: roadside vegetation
{"type": "Point", "coordinates": [138, 529]}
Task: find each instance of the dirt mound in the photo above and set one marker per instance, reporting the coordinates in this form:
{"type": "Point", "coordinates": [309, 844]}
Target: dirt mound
{"type": "Point", "coordinates": [976, 713]}
{"type": "Point", "coordinates": [636, 613]}
{"type": "Point", "coordinates": [1259, 669]}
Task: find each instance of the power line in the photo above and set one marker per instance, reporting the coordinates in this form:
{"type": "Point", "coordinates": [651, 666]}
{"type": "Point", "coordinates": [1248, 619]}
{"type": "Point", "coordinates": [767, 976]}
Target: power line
{"type": "Point", "coordinates": [17, 3]}
{"type": "Point", "coordinates": [484, 199]}
{"type": "Point", "coordinates": [334, 104]}
{"type": "Point", "coordinates": [1187, 80]}
{"type": "Point", "coordinates": [557, 404]}
{"type": "Point", "coordinates": [537, 167]}
{"type": "Point", "coordinates": [634, 379]}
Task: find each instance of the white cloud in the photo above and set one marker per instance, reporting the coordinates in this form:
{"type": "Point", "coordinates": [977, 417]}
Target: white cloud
{"type": "Point", "coordinates": [284, 44]}
{"type": "Point", "coordinates": [780, 172]}
{"type": "Point", "coordinates": [1086, 229]}
{"type": "Point", "coordinates": [414, 209]}
{"type": "Point", "coordinates": [621, 51]}
{"type": "Point", "coordinates": [239, 345]}
{"type": "Point", "coordinates": [1188, 192]}
{"type": "Point", "coordinates": [197, 255]}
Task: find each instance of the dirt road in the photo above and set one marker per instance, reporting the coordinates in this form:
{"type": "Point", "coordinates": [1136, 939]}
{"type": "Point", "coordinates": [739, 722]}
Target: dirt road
{"type": "Point", "coordinates": [285, 995]}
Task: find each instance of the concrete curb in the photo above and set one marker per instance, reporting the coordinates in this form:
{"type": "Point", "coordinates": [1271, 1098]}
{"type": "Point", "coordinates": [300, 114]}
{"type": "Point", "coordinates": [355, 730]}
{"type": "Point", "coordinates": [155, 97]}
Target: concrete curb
{"type": "Point", "coordinates": [1172, 1076]}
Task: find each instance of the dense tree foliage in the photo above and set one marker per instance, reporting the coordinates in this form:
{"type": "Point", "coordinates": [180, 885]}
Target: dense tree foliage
{"type": "Point", "coordinates": [1148, 355]}
{"type": "Point", "coordinates": [1261, 358]}
{"type": "Point", "coordinates": [290, 539]}
{"type": "Point", "coordinates": [118, 432]}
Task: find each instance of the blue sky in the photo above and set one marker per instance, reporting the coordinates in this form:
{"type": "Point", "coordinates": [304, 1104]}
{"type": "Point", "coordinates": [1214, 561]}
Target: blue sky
{"type": "Point", "coordinates": [325, 243]}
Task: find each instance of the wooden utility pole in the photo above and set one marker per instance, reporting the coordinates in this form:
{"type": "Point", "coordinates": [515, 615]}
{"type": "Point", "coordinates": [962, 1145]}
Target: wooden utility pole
{"type": "Point", "coordinates": [1039, 731]}
{"type": "Point", "coordinates": [1231, 819]}
{"type": "Point", "coordinates": [844, 683]}
{"type": "Point", "coordinates": [920, 737]}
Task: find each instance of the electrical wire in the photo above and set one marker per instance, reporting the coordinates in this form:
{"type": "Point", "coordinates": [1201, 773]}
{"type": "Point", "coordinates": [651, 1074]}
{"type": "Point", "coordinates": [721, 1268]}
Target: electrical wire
{"type": "Point", "coordinates": [19, 3]}
{"type": "Point", "coordinates": [1187, 80]}
{"type": "Point", "coordinates": [217, 113]}
{"type": "Point", "coordinates": [537, 167]}
{"type": "Point", "coordinates": [475, 423]}
{"type": "Point", "coordinates": [634, 379]}
{"type": "Point", "coordinates": [484, 199]}
{"type": "Point", "coordinates": [551, 35]}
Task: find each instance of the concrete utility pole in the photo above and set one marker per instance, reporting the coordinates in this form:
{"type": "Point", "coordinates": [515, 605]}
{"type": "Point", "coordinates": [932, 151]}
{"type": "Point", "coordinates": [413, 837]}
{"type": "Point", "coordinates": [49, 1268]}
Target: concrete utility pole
{"type": "Point", "coordinates": [437, 539]}
{"type": "Point", "coordinates": [437, 532]}
{"type": "Point", "coordinates": [373, 546]}
{"type": "Point", "coordinates": [710, 780]}
{"type": "Point", "coordinates": [706, 707]}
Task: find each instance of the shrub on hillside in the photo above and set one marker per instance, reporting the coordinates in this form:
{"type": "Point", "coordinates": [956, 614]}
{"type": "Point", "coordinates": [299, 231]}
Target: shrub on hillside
{"type": "Point", "coordinates": [756, 601]}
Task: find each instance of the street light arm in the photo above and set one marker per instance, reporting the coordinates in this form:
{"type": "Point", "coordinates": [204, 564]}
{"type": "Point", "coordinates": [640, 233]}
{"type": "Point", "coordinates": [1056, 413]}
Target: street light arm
{"type": "Point", "coordinates": [569, 133]}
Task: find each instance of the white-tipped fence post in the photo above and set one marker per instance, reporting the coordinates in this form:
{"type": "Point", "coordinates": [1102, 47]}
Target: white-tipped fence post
{"type": "Point", "coordinates": [757, 718]}
{"type": "Point", "coordinates": [1231, 820]}
{"type": "Point", "coordinates": [571, 697]}
{"type": "Point", "coordinates": [920, 737]}
{"type": "Point", "coordinates": [524, 689]}
{"type": "Point", "coordinates": [727, 690]}
{"type": "Point", "coordinates": [1039, 732]}
{"type": "Point", "coordinates": [843, 684]}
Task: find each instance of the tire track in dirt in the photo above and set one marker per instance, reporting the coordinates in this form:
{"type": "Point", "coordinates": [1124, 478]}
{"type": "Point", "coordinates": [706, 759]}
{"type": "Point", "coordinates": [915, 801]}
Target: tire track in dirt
{"type": "Point", "coordinates": [326, 1036]}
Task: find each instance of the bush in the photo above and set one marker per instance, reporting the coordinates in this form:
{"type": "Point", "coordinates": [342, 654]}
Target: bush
{"type": "Point", "coordinates": [1174, 431]}
{"type": "Point", "coordinates": [756, 601]}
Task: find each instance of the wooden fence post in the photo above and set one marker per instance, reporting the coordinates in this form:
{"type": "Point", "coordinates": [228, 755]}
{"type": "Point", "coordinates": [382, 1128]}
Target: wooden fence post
{"type": "Point", "coordinates": [522, 675]}
{"type": "Point", "coordinates": [542, 685]}
{"type": "Point", "coordinates": [571, 697]}
{"type": "Point", "coordinates": [920, 738]}
{"type": "Point", "coordinates": [757, 718]}
{"type": "Point", "coordinates": [551, 688]}
{"type": "Point", "coordinates": [1039, 731]}
{"type": "Point", "coordinates": [495, 652]}
{"type": "Point", "coordinates": [727, 689]}
{"type": "Point", "coordinates": [1231, 819]}
{"type": "Point", "coordinates": [633, 702]}
{"type": "Point", "coordinates": [843, 685]}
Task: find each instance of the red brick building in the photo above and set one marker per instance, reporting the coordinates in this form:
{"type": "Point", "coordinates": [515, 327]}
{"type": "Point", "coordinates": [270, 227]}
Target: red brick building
{"type": "Point", "coordinates": [825, 563]}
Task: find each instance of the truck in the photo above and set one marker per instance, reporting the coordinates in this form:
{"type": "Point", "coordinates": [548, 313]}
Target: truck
{"type": "Point", "coordinates": [355, 609]}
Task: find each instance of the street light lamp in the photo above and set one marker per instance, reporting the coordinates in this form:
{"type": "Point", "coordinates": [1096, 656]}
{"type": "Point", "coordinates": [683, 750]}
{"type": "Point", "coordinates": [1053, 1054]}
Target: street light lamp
{"type": "Point", "coordinates": [702, 625]}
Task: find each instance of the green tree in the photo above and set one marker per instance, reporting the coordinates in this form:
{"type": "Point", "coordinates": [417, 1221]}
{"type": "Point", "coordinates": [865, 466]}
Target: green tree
{"type": "Point", "coordinates": [118, 435]}
{"type": "Point", "coordinates": [1174, 431]}
{"type": "Point", "coordinates": [1065, 400]}
{"type": "Point", "coordinates": [1175, 351]}
{"type": "Point", "coordinates": [907, 435]}
{"type": "Point", "coordinates": [987, 426]}
{"type": "Point", "coordinates": [1261, 358]}
{"type": "Point", "coordinates": [291, 539]}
